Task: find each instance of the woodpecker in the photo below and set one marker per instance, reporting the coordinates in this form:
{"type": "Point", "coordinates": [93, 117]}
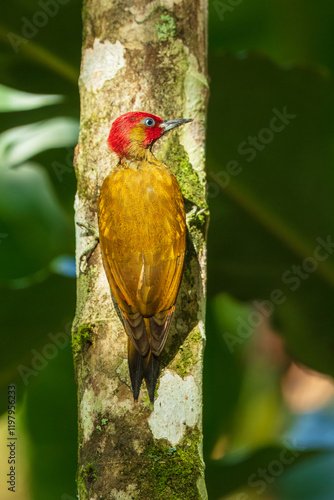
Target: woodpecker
{"type": "Point", "coordinates": [142, 228]}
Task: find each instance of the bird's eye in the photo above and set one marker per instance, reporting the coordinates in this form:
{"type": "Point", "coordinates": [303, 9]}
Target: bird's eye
{"type": "Point", "coordinates": [149, 122]}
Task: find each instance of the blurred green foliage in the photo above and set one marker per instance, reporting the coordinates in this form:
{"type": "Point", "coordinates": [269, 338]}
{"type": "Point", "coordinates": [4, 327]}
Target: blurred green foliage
{"type": "Point", "coordinates": [269, 164]}
{"type": "Point", "coordinates": [37, 188]}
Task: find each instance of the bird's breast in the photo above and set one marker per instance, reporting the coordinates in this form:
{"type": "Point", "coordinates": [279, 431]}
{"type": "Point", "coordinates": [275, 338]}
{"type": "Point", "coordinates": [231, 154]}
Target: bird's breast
{"type": "Point", "coordinates": [142, 208]}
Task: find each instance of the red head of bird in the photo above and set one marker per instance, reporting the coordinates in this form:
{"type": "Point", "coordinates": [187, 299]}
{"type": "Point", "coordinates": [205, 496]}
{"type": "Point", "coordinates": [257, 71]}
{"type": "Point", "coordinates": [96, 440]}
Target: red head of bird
{"type": "Point", "coordinates": [134, 132]}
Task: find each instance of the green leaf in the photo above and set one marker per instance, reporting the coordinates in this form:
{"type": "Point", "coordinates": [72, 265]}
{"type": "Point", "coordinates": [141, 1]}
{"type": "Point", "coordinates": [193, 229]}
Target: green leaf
{"type": "Point", "coordinates": [35, 225]}
{"type": "Point", "coordinates": [22, 143]}
{"type": "Point", "coordinates": [14, 100]}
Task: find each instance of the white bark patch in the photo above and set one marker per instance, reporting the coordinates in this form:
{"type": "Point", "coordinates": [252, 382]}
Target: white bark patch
{"type": "Point", "coordinates": [92, 406]}
{"type": "Point", "coordinates": [129, 494]}
{"type": "Point", "coordinates": [143, 12]}
{"type": "Point", "coordinates": [87, 413]}
{"type": "Point", "coordinates": [101, 63]}
{"type": "Point", "coordinates": [177, 406]}
{"type": "Point", "coordinates": [192, 136]}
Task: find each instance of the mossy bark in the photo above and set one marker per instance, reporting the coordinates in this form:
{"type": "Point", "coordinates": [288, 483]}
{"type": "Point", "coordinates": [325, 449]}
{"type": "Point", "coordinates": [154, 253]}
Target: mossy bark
{"type": "Point", "coordinates": [140, 56]}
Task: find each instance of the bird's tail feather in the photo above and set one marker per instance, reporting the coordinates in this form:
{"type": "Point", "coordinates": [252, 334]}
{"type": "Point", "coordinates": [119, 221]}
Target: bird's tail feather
{"type": "Point", "coordinates": [142, 367]}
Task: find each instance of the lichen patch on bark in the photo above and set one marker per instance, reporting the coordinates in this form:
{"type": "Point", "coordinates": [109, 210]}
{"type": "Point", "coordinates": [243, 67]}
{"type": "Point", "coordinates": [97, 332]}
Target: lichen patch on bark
{"type": "Point", "coordinates": [101, 63]}
{"type": "Point", "coordinates": [178, 406]}
{"type": "Point", "coordinates": [86, 410]}
{"type": "Point", "coordinates": [129, 494]}
{"type": "Point", "coordinates": [196, 92]}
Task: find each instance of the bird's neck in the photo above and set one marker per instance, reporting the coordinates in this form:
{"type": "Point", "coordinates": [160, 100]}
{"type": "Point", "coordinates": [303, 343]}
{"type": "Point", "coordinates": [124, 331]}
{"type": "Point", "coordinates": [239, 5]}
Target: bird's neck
{"type": "Point", "coordinates": [138, 158]}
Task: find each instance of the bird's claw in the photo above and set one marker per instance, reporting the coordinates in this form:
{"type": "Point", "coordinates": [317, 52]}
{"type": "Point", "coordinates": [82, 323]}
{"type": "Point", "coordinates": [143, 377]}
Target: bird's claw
{"type": "Point", "coordinates": [92, 231]}
{"type": "Point", "coordinates": [195, 213]}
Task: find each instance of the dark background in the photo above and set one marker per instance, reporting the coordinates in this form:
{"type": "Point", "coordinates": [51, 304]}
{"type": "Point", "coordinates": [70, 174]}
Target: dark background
{"type": "Point", "coordinates": [268, 399]}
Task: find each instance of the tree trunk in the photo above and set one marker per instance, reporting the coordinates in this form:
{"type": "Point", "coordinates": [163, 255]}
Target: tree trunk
{"type": "Point", "coordinates": [140, 56]}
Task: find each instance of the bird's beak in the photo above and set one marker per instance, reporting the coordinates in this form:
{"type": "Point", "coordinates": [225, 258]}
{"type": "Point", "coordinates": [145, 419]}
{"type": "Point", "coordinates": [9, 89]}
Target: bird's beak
{"type": "Point", "coordinates": [170, 124]}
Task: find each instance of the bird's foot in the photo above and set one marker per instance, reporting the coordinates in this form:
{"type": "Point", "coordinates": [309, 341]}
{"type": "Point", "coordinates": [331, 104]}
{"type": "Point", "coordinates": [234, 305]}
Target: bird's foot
{"type": "Point", "coordinates": [195, 213]}
{"type": "Point", "coordinates": [92, 231]}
